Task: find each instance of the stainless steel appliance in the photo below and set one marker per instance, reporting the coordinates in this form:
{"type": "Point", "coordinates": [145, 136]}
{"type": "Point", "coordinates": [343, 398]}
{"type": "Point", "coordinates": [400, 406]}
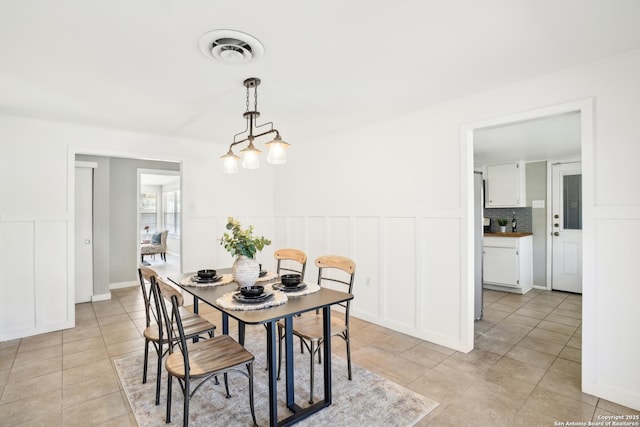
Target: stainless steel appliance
{"type": "Point", "coordinates": [478, 231]}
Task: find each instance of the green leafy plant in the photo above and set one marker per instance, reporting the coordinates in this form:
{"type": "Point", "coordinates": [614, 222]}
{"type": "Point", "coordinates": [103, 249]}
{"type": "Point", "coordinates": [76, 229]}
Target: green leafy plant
{"type": "Point", "coordinates": [502, 221]}
{"type": "Point", "coordinates": [242, 242]}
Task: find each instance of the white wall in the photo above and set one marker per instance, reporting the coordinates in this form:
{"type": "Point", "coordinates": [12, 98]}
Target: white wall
{"type": "Point", "coordinates": [36, 211]}
{"type": "Point", "coordinates": [396, 196]}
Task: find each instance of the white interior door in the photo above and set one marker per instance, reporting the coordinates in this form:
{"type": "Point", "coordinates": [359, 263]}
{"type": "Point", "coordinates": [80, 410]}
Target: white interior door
{"type": "Point", "coordinates": [566, 227]}
{"type": "Point", "coordinates": [84, 234]}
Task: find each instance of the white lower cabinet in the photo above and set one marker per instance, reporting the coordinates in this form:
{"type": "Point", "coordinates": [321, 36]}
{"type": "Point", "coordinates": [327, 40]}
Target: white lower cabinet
{"type": "Point", "coordinates": [507, 263]}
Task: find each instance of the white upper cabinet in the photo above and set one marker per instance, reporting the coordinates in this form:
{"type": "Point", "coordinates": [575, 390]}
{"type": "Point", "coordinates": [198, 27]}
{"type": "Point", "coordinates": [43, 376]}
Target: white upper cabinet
{"type": "Point", "coordinates": [505, 185]}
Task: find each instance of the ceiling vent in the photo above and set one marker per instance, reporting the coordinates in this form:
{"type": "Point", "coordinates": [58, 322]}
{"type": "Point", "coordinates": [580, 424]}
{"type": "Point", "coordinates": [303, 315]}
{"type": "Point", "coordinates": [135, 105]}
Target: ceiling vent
{"type": "Point", "coordinates": [230, 46]}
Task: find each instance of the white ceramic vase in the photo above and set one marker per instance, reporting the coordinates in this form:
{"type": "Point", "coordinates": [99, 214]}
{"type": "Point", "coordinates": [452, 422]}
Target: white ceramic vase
{"type": "Point", "coordinates": [245, 271]}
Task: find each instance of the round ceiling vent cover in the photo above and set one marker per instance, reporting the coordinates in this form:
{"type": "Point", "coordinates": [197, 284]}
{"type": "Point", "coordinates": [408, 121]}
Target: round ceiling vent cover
{"type": "Point", "coordinates": [230, 46]}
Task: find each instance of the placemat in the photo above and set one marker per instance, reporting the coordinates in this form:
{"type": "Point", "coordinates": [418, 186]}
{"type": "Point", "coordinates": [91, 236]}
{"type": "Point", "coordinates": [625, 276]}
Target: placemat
{"type": "Point", "coordinates": [226, 301]}
{"type": "Point", "coordinates": [226, 278]}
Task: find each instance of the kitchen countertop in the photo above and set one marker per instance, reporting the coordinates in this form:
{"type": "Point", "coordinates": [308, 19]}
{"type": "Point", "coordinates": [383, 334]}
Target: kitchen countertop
{"type": "Point", "coordinates": [508, 234]}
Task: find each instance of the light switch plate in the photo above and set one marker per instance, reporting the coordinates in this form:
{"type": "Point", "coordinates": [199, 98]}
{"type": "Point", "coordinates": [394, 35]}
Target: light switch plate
{"type": "Point", "coordinates": [537, 203]}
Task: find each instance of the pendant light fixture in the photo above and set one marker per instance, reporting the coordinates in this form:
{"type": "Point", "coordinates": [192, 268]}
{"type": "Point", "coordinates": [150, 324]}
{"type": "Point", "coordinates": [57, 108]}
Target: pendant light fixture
{"type": "Point", "coordinates": [250, 154]}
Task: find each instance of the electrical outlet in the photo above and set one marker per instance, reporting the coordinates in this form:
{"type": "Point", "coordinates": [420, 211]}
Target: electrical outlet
{"type": "Point", "coordinates": [367, 281]}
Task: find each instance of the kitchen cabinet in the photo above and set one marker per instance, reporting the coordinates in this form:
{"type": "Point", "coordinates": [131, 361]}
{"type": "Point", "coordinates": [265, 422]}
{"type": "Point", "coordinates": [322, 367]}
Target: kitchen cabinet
{"type": "Point", "coordinates": [507, 263]}
{"type": "Point", "coordinates": [505, 185]}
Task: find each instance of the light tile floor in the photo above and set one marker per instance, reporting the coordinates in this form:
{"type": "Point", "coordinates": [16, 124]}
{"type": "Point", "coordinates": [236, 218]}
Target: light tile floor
{"type": "Point", "coordinates": [525, 370]}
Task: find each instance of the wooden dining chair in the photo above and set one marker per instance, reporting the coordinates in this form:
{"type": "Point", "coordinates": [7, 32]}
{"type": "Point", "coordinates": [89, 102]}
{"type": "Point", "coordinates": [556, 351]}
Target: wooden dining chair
{"type": "Point", "coordinates": [203, 360]}
{"type": "Point", "coordinates": [291, 261]}
{"type": "Point", "coordinates": [157, 332]}
{"type": "Point", "coordinates": [145, 274]}
{"type": "Point", "coordinates": [339, 271]}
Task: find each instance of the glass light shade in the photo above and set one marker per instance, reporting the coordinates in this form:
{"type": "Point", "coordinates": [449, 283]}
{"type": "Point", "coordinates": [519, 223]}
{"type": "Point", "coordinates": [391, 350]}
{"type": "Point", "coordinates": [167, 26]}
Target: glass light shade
{"type": "Point", "coordinates": [277, 151]}
{"type": "Point", "coordinates": [250, 158]}
{"type": "Point", "coordinates": [230, 164]}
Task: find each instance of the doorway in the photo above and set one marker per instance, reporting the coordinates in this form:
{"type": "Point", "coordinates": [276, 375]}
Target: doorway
{"type": "Point", "coordinates": [159, 212]}
{"type": "Point", "coordinates": [585, 109]}
{"type": "Point", "coordinates": [536, 142]}
{"type": "Point", "coordinates": [566, 234]}
{"type": "Point", "coordinates": [84, 231]}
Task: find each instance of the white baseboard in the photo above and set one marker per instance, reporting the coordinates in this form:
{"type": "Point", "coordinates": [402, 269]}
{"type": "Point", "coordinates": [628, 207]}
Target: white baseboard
{"type": "Point", "coordinates": [35, 330]}
{"type": "Point", "coordinates": [101, 297]}
{"type": "Point", "coordinates": [121, 285]}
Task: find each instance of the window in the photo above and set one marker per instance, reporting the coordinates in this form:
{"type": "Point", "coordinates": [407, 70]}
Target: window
{"type": "Point", "coordinates": [148, 213]}
{"type": "Point", "coordinates": [171, 211]}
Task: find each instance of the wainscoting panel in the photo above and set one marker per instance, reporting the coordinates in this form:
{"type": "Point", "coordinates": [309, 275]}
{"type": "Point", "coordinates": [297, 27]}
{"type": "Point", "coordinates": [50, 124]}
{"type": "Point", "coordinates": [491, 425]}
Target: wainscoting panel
{"type": "Point", "coordinates": [339, 235]}
{"type": "Point", "coordinates": [366, 254]}
{"type": "Point", "coordinates": [408, 269]}
{"type": "Point", "coordinates": [440, 274]}
{"type": "Point", "coordinates": [399, 261]}
{"type": "Point", "coordinates": [17, 281]}
{"type": "Point", "coordinates": [289, 232]}
{"type": "Point", "coordinates": [616, 296]}
{"type": "Point", "coordinates": [297, 233]}
{"type": "Point", "coordinates": [317, 242]}
{"type": "Point", "coordinates": [51, 277]}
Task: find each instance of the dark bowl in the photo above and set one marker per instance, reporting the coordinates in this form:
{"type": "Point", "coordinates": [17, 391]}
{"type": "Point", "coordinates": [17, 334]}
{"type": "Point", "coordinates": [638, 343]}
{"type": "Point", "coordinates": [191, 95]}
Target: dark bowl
{"type": "Point", "coordinates": [252, 291]}
{"type": "Point", "coordinates": [290, 279]}
{"type": "Point", "coordinates": [206, 274]}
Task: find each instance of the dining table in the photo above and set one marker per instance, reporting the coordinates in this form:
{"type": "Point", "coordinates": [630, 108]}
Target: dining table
{"type": "Point", "coordinates": [321, 300]}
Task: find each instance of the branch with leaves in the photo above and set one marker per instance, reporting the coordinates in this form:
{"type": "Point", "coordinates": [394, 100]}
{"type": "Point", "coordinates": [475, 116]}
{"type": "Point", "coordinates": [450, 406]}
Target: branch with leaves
{"type": "Point", "coordinates": [242, 242]}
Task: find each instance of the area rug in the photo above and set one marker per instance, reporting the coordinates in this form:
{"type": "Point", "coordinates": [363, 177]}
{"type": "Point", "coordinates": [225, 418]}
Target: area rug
{"type": "Point", "coordinates": [367, 400]}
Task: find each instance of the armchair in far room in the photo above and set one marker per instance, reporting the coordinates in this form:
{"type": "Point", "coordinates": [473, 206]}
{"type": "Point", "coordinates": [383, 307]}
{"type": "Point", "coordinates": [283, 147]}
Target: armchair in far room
{"type": "Point", "coordinates": [158, 245]}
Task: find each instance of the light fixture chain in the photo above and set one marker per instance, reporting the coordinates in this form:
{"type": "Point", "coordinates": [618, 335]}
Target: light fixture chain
{"type": "Point", "coordinates": [247, 98]}
{"type": "Point", "coordinates": [255, 98]}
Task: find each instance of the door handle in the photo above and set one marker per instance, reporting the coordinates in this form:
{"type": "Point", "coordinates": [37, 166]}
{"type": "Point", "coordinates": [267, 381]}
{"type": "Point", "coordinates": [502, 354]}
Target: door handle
{"type": "Point", "coordinates": [87, 241]}
{"type": "Point", "coordinates": [556, 234]}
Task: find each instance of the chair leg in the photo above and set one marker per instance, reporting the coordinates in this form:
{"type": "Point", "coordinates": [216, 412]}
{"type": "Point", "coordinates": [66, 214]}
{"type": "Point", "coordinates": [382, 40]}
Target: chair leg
{"type": "Point", "coordinates": [279, 351]}
{"type": "Point", "coordinates": [253, 412]}
{"type": "Point", "coordinates": [348, 354]}
{"type": "Point", "coordinates": [311, 350]}
{"type": "Point", "coordinates": [226, 385]}
{"type": "Point", "coordinates": [169, 381]}
{"type": "Point", "coordinates": [146, 361]}
{"type": "Point", "coordinates": [187, 395]}
{"type": "Point", "coordinates": [159, 374]}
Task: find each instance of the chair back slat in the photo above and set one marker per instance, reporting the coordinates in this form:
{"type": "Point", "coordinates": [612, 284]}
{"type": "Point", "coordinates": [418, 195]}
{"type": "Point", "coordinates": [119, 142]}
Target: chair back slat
{"type": "Point", "coordinates": [145, 274]}
{"type": "Point", "coordinates": [328, 266]}
{"type": "Point", "coordinates": [289, 254]}
{"type": "Point", "coordinates": [159, 310]}
{"type": "Point", "coordinates": [168, 291]}
{"type": "Point", "coordinates": [336, 261]}
{"type": "Point", "coordinates": [182, 340]}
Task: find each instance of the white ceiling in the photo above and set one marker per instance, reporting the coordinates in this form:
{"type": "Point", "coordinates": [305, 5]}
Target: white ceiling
{"type": "Point", "coordinates": [151, 179]}
{"type": "Point", "coordinates": [554, 138]}
{"type": "Point", "coordinates": [328, 65]}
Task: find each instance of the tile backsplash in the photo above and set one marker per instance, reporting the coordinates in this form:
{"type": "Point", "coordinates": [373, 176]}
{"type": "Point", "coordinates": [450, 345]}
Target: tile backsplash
{"type": "Point", "coordinates": [523, 217]}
